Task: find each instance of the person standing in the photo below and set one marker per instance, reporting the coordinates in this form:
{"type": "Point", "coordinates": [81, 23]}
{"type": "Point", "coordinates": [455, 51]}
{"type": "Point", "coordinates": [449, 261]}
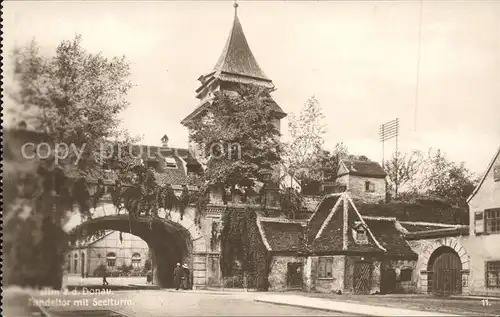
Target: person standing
{"type": "Point", "coordinates": [104, 275]}
{"type": "Point", "coordinates": [178, 274]}
{"type": "Point", "coordinates": [186, 276]}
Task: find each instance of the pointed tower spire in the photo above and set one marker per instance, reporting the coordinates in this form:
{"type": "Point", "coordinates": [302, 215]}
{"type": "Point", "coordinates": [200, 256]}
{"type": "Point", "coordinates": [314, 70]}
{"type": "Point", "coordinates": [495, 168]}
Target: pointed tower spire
{"type": "Point", "coordinates": [237, 58]}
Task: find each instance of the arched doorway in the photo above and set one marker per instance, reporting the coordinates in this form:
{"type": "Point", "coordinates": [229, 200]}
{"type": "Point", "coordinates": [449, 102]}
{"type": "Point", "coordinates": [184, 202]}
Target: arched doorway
{"type": "Point", "coordinates": [445, 267]}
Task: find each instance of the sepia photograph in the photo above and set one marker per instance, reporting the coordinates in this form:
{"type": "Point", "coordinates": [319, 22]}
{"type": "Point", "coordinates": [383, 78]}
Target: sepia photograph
{"type": "Point", "coordinates": [250, 158]}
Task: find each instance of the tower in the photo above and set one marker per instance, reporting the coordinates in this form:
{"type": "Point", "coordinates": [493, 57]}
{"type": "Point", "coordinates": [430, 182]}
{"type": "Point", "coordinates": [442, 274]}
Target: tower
{"type": "Point", "coordinates": [235, 66]}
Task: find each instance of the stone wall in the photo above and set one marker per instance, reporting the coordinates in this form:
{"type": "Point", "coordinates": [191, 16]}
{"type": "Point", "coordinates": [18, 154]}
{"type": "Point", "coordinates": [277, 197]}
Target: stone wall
{"type": "Point", "coordinates": [278, 271]}
{"type": "Point", "coordinates": [399, 265]}
{"type": "Point", "coordinates": [473, 251]}
{"type": "Point", "coordinates": [356, 187]}
{"type": "Point", "coordinates": [322, 284]}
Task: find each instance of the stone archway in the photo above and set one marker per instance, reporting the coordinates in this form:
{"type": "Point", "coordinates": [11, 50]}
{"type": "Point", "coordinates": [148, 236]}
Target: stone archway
{"type": "Point", "coordinates": [171, 239]}
{"type": "Point", "coordinates": [450, 258]}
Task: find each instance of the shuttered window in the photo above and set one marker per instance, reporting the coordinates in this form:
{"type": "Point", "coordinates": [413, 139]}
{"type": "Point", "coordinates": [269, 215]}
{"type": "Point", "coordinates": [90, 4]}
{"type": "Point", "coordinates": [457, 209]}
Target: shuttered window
{"type": "Point", "coordinates": [479, 221]}
{"type": "Point", "coordinates": [325, 267]}
{"type": "Point", "coordinates": [496, 173]}
{"type": "Point", "coordinates": [492, 218]}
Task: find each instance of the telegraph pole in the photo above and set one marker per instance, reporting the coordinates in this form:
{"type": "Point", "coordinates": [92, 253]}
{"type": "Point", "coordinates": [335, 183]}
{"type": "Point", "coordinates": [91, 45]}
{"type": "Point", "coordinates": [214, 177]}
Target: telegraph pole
{"type": "Point", "coordinates": [388, 131]}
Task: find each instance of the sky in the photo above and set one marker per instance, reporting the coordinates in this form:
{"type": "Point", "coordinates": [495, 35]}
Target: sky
{"type": "Point", "coordinates": [435, 65]}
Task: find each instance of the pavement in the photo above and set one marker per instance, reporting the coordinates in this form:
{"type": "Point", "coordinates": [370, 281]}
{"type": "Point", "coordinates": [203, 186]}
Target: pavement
{"type": "Point", "coordinates": [343, 307]}
{"type": "Point", "coordinates": [165, 302]}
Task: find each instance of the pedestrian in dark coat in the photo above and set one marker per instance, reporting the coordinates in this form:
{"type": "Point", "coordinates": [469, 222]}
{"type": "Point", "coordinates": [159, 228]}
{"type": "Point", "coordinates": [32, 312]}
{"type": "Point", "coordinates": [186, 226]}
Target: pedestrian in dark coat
{"type": "Point", "coordinates": [104, 280]}
{"type": "Point", "coordinates": [178, 274]}
{"type": "Point", "coordinates": [186, 277]}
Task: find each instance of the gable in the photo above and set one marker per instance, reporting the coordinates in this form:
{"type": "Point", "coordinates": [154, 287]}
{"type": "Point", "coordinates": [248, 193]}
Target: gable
{"type": "Point", "coordinates": [337, 230]}
{"type": "Point", "coordinates": [491, 178]}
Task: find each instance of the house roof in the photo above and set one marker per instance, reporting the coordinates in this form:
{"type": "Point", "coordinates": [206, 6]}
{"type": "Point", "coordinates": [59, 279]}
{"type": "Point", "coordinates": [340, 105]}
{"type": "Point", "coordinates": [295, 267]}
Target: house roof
{"type": "Point", "coordinates": [362, 168]}
{"type": "Point", "coordinates": [417, 212]}
{"type": "Point", "coordinates": [488, 169]}
{"type": "Point", "coordinates": [282, 235]}
{"type": "Point", "coordinates": [335, 233]}
{"type": "Point", "coordinates": [237, 57]}
{"type": "Point", "coordinates": [391, 237]}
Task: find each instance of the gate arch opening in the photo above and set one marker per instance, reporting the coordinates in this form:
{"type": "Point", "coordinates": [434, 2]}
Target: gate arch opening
{"type": "Point", "coordinates": [445, 267]}
{"type": "Point", "coordinates": [169, 242]}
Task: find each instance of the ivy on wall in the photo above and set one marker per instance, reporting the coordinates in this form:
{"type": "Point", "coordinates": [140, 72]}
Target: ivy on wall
{"type": "Point", "coordinates": [243, 252]}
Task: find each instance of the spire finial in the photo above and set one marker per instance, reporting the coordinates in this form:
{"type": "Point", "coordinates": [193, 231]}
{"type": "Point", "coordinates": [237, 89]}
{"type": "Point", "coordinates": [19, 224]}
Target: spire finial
{"type": "Point", "coordinates": [235, 5]}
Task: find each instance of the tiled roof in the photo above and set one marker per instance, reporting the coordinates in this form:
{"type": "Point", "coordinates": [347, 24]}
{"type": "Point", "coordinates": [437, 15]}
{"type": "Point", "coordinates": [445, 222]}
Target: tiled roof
{"type": "Point", "coordinates": [336, 234]}
{"type": "Point", "coordinates": [237, 58]}
{"type": "Point", "coordinates": [320, 215]}
{"type": "Point", "coordinates": [438, 233]}
{"type": "Point", "coordinates": [391, 238]}
{"type": "Point", "coordinates": [282, 236]}
{"type": "Point", "coordinates": [363, 168]}
{"type": "Point", "coordinates": [437, 213]}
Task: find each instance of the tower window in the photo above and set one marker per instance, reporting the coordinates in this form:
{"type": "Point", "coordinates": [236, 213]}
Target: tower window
{"type": "Point", "coordinates": [369, 186]}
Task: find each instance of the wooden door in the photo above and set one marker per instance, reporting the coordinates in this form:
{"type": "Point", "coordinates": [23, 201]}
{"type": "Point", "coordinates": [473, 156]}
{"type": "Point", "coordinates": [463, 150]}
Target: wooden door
{"type": "Point", "coordinates": [362, 277]}
{"type": "Point", "coordinates": [388, 284]}
{"type": "Point", "coordinates": [446, 274]}
{"type": "Point", "coordinates": [294, 271]}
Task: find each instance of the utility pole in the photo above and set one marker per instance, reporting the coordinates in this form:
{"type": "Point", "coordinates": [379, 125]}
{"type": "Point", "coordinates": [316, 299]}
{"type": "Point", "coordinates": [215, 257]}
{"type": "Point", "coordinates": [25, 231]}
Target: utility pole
{"type": "Point", "coordinates": [388, 131]}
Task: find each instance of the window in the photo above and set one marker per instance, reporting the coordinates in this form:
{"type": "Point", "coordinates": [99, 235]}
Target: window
{"type": "Point", "coordinates": [496, 173]}
{"type": "Point", "coordinates": [406, 275]}
{"type": "Point", "coordinates": [492, 217]}
{"type": "Point", "coordinates": [136, 260]}
{"type": "Point", "coordinates": [170, 162]}
{"type": "Point", "coordinates": [111, 259]}
{"type": "Point", "coordinates": [359, 233]}
{"type": "Point", "coordinates": [369, 186]}
{"type": "Point", "coordinates": [479, 222]}
{"type": "Point", "coordinates": [325, 266]}
{"type": "Point", "coordinates": [493, 274]}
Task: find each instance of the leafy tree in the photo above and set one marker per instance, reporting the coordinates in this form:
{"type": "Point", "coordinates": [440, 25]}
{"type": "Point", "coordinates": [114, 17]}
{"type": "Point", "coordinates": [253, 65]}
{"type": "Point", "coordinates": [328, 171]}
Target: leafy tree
{"type": "Point", "coordinates": [240, 141]}
{"type": "Point", "coordinates": [72, 98]}
{"type": "Point", "coordinates": [402, 169]}
{"type": "Point", "coordinates": [307, 132]}
{"type": "Point", "coordinates": [446, 179]}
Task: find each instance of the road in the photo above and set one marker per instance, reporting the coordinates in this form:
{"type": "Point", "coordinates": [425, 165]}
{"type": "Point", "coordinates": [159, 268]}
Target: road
{"type": "Point", "coordinates": [160, 303]}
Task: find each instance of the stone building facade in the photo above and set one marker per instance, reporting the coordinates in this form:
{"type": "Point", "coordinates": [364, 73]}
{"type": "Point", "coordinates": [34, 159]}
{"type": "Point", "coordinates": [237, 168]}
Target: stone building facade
{"type": "Point", "coordinates": [343, 249]}
{"type": "Point", "coordinates": [111, 250]}
{"type": "Point", "coordinates": [364, 180]}
{"type": "Point", "coordinates": [483, 245]}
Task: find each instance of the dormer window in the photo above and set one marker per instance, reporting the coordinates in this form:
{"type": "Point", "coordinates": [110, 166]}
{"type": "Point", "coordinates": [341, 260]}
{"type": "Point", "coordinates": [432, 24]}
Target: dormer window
{"type": "Point", "coordinates": [359, 234]}
{"type": "Point", "coordinates": [170, 162]}
{"type": "Point", "coordinates": [369, 186]}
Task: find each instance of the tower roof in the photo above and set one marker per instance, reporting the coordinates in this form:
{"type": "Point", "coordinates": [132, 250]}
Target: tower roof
{"type": "Point", "coordinates": [237, 57]}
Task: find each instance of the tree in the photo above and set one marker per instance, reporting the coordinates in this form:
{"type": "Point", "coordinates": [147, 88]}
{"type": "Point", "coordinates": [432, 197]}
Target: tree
{"type": "Point", "coordinates": [402, 169]}
{"type": "Point", "coordinates": [446, 179]}
{"type": "Point", "coordinates": [307, 132]}
{"type": "Point", "coordinates": [240, 141]}
{"type": "Point", "coordinates": [72, 98]}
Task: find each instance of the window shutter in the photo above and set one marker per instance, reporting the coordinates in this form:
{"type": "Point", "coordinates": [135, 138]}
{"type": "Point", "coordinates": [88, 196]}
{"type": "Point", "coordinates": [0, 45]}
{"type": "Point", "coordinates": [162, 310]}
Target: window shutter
{"type": "Point", "coordinates": [479, 221]}
{"type": "Point", "coordinates": [496, 173]}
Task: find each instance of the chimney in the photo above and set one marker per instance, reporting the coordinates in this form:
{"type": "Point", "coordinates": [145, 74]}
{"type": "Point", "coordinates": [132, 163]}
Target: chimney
{"type": "Point", "coordinates": [164, 141]}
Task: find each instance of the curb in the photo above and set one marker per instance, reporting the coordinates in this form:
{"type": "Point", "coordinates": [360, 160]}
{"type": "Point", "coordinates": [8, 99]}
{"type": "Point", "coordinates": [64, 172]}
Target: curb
{"type": "Point", "coordinates": [308, 307]}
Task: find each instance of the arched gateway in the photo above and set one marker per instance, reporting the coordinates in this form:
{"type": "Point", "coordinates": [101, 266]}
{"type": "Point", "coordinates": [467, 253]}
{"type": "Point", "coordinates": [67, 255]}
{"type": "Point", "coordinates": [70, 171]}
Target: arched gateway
{"type": "Point", "coordinates": [170, 238]}
{"type": "Point", "coordinates": [447, 268]}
